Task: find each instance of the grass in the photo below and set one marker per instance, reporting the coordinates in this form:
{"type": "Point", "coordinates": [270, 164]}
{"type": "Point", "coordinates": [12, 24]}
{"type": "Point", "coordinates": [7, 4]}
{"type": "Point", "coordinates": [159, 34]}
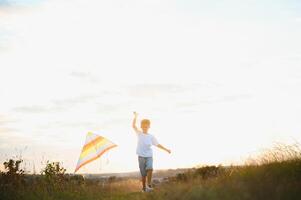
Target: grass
{"type": "Point", "coordinates": [275, 175]}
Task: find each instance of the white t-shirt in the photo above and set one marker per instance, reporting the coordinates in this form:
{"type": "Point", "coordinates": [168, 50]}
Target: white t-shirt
{"type": "Point", "coordinates": [145, 141]}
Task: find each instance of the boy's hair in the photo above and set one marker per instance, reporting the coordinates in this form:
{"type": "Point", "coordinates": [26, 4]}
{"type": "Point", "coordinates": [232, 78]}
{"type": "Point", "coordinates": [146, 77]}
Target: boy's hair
{"type": "Point", "coordinates": [145, 121]}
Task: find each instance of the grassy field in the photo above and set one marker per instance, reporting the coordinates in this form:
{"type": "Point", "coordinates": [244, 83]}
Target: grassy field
{"type": "Point", "coordinates": [274, 175]}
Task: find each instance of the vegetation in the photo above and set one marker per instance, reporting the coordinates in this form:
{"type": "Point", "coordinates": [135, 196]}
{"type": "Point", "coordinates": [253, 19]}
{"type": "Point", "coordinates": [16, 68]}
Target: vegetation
{"type": "Point", "coordinates": [276, 174]}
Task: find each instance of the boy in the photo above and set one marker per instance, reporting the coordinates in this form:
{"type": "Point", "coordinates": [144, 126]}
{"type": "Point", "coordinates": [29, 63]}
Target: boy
{"type": "Point", "coordinates": [145, 153]}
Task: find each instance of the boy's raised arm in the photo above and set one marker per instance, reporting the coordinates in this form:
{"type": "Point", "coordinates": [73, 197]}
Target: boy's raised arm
{"type": "Point", "coordinates": [134, 122]}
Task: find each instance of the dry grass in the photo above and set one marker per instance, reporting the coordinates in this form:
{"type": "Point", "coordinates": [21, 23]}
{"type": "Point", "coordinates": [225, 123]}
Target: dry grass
{"type": "Point", "coordinates": [276, 174]}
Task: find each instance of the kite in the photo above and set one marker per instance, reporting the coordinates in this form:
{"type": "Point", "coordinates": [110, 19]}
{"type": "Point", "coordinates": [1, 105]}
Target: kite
{"type": "Point", "coordinates": [95, 146]}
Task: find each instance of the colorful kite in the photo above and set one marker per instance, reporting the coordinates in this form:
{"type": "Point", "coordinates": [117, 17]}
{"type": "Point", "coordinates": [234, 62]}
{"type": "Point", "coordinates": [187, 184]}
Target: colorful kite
{"type": "Point", "coordinates": [94, 147]}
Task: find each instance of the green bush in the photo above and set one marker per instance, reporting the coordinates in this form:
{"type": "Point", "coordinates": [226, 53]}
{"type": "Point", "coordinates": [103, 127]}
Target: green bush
{"type": "Point", "coordinates": [54, 173]}
{"type": "Point", "coordinates": [13, 174]}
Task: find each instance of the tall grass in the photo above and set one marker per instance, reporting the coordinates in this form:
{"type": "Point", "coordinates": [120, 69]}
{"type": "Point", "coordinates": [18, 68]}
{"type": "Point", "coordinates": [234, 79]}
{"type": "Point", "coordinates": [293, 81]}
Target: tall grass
{"type": "Point", "coordinates": [274, 175]}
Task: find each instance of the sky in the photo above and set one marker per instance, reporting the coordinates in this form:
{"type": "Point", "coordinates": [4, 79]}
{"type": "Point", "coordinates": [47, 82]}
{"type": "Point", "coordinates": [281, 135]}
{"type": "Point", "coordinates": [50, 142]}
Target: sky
{"type": "Point", "coordinates": [219, 80]}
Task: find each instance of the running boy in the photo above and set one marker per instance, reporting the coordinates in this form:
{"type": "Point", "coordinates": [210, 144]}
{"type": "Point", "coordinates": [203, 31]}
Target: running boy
{"type": "Point", "coordinates": [144, 151]}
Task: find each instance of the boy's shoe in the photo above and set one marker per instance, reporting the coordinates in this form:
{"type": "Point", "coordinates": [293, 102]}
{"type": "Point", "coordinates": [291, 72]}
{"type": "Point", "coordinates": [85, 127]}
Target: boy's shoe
{"type": "Point", "coordinates": [148, 189]}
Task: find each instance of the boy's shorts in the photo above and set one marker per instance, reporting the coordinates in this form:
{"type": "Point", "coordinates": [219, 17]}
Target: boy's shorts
{"type": "Point", "coordinates": [145, 163]}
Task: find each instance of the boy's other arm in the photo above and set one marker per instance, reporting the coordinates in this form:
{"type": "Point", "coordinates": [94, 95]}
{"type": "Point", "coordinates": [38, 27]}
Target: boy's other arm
{"type": "Point", "coordinates": [163, 148]}
{"type": "Point", "coordinates": [134, 123]}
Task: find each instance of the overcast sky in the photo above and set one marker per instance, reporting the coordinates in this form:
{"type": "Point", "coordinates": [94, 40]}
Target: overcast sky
{"type": "Point", "coordinates": [219, 80]}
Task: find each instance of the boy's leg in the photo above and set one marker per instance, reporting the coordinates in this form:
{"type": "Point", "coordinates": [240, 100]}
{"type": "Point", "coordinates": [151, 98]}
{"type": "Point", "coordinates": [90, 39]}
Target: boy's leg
{"type": "Point", "coordinates": [149, 177]}
{"type": "Point", "coordinates": [142, 165]}
{"type": "Point", "coordinates": [144, 182]}
{"type": "Point", "coordinates": [149, 170]}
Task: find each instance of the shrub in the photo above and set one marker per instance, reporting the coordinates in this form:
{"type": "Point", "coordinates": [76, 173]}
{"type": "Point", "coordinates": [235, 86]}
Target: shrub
{"type": "Point", "coordinates": [207, 172]}
{"type": "Point", "coordinates": [54, 173]}
{"type": "Point", "coordinates": [13, 174]}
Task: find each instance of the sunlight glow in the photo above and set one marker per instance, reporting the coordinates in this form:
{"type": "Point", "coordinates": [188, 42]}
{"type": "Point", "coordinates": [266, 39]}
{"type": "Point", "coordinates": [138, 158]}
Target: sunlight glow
{"type": "Point", "coordinates": [216, 89]}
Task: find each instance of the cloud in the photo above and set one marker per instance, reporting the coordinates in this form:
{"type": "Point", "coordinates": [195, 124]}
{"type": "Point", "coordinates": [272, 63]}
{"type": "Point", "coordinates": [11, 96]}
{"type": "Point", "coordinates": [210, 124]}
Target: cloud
{"type": "Point", "coordinates": [67, 124]}
{"type": "Point", "coordinates": [4, 125]}
{"type": "Point", "coordinates": [4, 130]}
{"type": "Point", "coordinates": [226, 98]}
{"type": "Point", "coordinates": [57, 105]}
{"type": "Point", "coordinates": [73, 101]}
{"type": "Point", "coordinates": [4, 38]}
{"type": "Point", "coordinates": [85, 76]}
{"type": "Point", "coordinates": [199, 91]}
{"type": "Point", "coordinates": [31, 109]}
{"type": "Point", "coordinates": [118, 98]}
{"type": "Point", "coordinates": [8, 136]}
{"type": "Point", "coordinates": [147, 90]}
{"type": "Point", "coordinates": [195, 104]}
{"type": "Point", "coordinates": [215, 99]}
{"type": "Point", "coordinates": [5, 120]}
{"type": "Point", "coordinates": [19, 2]}
{"type": "Point", "coordinates": [5, 3]}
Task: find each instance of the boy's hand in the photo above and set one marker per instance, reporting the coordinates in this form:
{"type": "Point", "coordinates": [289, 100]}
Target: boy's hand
{"type": "Point", "coordinates": [134, 123]}
{"type": "Point", "coordinates": [135, 114]}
